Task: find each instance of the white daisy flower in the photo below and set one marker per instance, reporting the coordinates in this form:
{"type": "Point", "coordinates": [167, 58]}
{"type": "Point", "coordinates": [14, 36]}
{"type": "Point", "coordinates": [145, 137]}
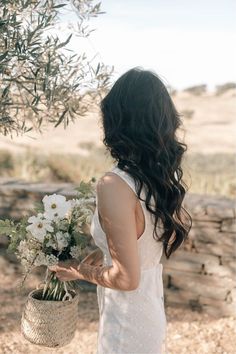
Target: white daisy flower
{"type": "Point", "coordinates": [39, 227]}
{"type": "Point", "coordinates": [56, 206]}
{"type": "Point", "coordinates": [32, 218]}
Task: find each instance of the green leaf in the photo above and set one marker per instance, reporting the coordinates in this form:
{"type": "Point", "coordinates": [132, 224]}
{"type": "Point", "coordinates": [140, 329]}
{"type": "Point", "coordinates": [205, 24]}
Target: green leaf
{"type": "Point", "coordinates": [61, 118]}
{"type": "Point", "coordinates": [5, 91]}
{"type": "Point", "coordinates": [84, 188]}
{"type": "Point", "coordinates": [98, 68]}
{"type": "Point", "coordinates": [58, 6]}
{"type": "Point", "coordinates": [63, 44]}
{"type": "Point", "coordinates": [38, 207]}
{"type": "Point", "coordinates": [7, 227]}
{"type": "Point", "coordinates": [3, 56]}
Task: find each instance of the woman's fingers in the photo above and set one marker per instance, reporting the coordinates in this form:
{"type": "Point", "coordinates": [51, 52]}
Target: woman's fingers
{"type": "Point", "coordinates": [53, 268]}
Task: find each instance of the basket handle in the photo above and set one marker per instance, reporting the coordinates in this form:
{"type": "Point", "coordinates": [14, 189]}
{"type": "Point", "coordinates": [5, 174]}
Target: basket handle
{"type": "Point", "coordinates": [67, 294]}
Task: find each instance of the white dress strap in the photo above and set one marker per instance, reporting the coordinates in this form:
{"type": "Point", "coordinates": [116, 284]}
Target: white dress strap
{"type": "Point", "coordinates": [125, 176]}
{"type": "Point", "coordinates": [130, 181]}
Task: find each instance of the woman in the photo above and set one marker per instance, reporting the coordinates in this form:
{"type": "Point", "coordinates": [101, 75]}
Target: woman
{"type": "Point", "coordinates": [139, 214]}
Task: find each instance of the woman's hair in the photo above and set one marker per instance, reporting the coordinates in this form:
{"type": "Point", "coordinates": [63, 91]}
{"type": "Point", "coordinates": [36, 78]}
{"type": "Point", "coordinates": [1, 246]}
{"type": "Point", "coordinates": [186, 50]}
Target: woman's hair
{"type": "Point", "coordinates": [140, 122]}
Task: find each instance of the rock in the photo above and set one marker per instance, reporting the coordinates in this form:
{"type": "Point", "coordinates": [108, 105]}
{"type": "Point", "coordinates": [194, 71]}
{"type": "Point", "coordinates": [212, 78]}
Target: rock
{"type": "Point", "coordinates": [205, 224]}
{"type": "Point", "coordinates": [180, 296]}
{"type": "Point", "coordinates": [219, 270]}
{"type": "Point", "coordinates": [229, 225]}
{"type": "Point", "coordinates": [189, 261]}
{"type": "Point", "coordinates": [200, 284]}
{"type": "Point", "coordinates": [217, 307]}
{"type": "Point", "coordinates": [225, 209]}
{"type": "Point", "coordinates": [215, 249]}
{"type": "Point", "coordinates": [213, 236]}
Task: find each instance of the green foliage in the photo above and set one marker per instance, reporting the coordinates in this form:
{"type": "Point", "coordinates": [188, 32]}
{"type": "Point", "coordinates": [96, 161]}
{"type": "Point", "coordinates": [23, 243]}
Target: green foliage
{"type": "Point", "coordinates": [42, 81]}
{"type": "Point", "coordinates": [7, 227]}
{"type": "Point", "coordinates": [197, 90]}
{"type": "Point", "coordinates": [81, 240]}
{"type": "Point", "coordinates": [38, 207]}
{"type": "Point", "coordinates": [220, 89]}
{"type": "Point", "coordinates": [85, 189]}
{"type": "Point", "coordinates": [16, 232]}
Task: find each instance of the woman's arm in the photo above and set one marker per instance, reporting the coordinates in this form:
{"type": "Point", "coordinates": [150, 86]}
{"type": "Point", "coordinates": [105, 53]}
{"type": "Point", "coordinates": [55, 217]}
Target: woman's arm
{"type": "Point", "coordinates": [94, 258]}
{"type": "Point", "coordinates": [116, 206]}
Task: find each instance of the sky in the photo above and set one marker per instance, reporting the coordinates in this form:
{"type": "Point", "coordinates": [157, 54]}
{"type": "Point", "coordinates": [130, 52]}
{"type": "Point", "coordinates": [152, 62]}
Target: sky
{"type": "Point", "coordinates": [185, 42]}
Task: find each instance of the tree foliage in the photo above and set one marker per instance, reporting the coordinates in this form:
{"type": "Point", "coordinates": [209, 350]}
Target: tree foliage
{"type": "Point", "coordinates": [42, 80]}
{"type": "Point", "coordinates": [220, 89]}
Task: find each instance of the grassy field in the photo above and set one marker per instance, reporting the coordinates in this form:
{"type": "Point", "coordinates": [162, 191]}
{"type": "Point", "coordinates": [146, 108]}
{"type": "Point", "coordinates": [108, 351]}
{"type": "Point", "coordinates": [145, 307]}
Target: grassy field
{"type": "Point", "coordinates": [77, 152]}
{"type": "Point", "coordinates": [205, 174]}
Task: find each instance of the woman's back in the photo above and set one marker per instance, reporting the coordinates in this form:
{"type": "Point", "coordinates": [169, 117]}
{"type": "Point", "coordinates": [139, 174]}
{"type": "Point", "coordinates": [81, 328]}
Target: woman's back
{"type": "Point", "coordinates": [150, 250]}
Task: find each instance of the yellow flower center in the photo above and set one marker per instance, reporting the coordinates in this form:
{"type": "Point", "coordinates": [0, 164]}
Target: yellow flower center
{"type": "Point", "coordinates": [40, 225]}
{"type": "Point", "coordinates": [53, 206]}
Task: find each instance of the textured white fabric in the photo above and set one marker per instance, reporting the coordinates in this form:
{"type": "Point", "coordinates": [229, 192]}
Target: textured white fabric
{"type": "Point", "coordinates": [132, 322]}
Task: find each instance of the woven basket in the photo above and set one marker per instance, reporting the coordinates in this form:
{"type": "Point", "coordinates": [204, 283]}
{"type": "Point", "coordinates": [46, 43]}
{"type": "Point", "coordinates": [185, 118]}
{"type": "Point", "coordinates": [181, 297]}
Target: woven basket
{"type": "Point", "coordinates": [49, 323]}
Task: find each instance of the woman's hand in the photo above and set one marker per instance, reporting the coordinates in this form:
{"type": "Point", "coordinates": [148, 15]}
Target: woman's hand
{"type": "Point", "coordinates": [70, 269]}
{"type": "Point", "coordinates": [66, 270]}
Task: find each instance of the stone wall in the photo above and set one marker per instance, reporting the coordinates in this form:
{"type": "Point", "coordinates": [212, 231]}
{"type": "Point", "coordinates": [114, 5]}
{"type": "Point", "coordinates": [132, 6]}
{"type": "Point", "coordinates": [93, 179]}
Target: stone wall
{"type": "Point", "coordinates": [201, 274]}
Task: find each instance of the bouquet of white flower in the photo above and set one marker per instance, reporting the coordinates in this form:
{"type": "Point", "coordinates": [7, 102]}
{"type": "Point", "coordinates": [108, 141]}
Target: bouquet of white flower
{"type": "Point", "coordinates": [59, 231]}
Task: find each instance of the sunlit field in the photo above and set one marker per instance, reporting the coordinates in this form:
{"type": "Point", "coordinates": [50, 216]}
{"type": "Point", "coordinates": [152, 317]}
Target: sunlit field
{"type": "Point", "coordinates": [205, 174]}
{"type": "Point", "coordinates": [77, 152]}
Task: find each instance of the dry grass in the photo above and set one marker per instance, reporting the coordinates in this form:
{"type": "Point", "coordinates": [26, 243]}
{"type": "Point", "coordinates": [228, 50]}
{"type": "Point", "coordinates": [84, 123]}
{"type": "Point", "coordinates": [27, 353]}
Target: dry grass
{"type": "Point", "coordinates": [205, 174]}
{"type": "Point", "coordinates": [53, 167]}
{"type": "Point", "coordinates": [211, 174]}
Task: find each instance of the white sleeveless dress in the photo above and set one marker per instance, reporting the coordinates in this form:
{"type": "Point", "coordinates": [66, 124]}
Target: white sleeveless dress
{"type": "Point", "coordinates": [132, 322]}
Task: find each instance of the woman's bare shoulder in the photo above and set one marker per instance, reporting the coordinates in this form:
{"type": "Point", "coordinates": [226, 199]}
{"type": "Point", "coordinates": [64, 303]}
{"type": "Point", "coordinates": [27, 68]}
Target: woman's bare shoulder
{"type": "Point", "coordinates": [111, 184]}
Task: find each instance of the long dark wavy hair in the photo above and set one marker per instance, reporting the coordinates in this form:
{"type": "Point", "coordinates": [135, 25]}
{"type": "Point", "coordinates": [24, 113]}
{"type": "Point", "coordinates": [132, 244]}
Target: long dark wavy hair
{"type": "Point", "coordinates": [140, 122]}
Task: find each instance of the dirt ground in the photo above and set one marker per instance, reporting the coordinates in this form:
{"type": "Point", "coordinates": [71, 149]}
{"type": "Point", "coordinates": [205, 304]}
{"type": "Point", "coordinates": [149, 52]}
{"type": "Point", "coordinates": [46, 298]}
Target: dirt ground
{"type": "Point", "coordinates": [188, 332]}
